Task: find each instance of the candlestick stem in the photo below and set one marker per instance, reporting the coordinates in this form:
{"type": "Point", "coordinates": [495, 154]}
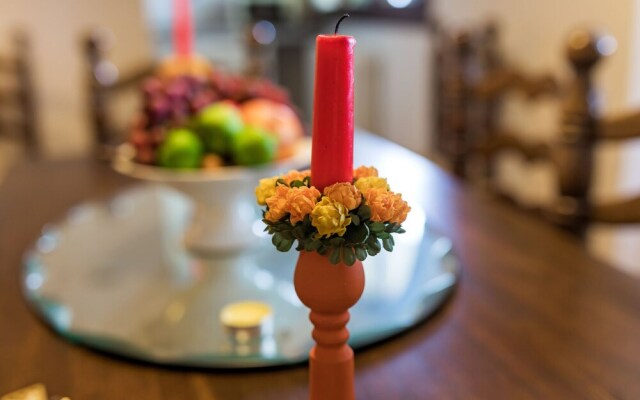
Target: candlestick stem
{"type": "Point", "coordinates": [329, 291]}
{"type": "Point", "coordinates": [331, 359]}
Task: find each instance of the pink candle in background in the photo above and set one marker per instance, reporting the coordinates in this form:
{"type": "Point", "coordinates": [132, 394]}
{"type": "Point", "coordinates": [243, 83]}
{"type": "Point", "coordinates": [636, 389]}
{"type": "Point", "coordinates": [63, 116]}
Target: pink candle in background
{"type": "Point", "coordinates": [332, 140]}
{"type": "Point", "coordinates": [182, 28]}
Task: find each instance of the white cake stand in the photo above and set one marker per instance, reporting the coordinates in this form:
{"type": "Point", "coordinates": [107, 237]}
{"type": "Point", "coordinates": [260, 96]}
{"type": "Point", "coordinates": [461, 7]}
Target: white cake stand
{"type": "Point", "coordinates": [225, 211]}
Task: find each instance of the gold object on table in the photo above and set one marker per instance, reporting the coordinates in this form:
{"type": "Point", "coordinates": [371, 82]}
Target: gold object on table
{"type": "Point", "coordinates": [245, 314]}
{"type": "Point", "coordinates": [33, 392]}
{"type": "Point", "coordinates": [247, 322]}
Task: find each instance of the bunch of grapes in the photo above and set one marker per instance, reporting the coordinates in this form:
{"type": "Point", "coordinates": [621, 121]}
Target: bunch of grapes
{"type": "Point", "coordinates": [241, 89]}
{"type": "Point", "coordinates": [169, 103]}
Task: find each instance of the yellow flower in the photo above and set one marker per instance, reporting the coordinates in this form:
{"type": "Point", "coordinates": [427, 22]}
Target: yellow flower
{"type": "Point", "coordinates": [386, 206]}
{"type": "Point", "coordinates": [371, 182]}
{"type": "Point", "coordinates": [344, 193]}
{"type": "Point", "coordinates": [265, 189]}
{"type": "Point", "coordinates": [330, 217]}
{"type": "Point", "coordinates": [300, 202]}
{"type": "Point", "coordinates": [277, 204]}
{"type": "Point", "coordinates": [294, 175]}
{"type": "Point", "coordinates": [364, 172]}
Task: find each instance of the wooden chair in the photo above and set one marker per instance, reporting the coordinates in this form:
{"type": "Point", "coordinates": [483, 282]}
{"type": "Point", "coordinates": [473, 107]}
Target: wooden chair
{"type": "Point", "coordinates": [17, 99]}
{"type": "Point", "coordinates": [473, 80]}
{"type": "Point", "coordinates": [105, 84]}
{"type": "Point", "coordinates": [581, 130]}
{"type": "Point", "coordinates": [571, 153]}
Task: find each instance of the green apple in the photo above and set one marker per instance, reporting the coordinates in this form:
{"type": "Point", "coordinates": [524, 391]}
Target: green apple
{"type": "Point", "coordinates": [254, 146]}
{"type": "Point", "coordinates": [182, 149]}
{"type": "Point", "coordinates": [217, 125]}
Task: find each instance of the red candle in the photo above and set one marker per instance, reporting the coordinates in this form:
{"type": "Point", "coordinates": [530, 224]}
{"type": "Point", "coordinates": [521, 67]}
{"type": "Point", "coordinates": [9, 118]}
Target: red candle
{"type": "Point", "coordinates": [332, 140]}
{"type": "Point", "coordinates": [182, 28]}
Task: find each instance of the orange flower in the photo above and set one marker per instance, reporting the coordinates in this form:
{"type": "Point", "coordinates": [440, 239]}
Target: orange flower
{"type": "Point", "coordinates": [364, 172]}
{"type": "Point", "coordinates": [386, 206]}
{"type": "Point", "coordinates": [294, 175]}
{"type": "Point", "coordinates": [277, 204]}
{"type": "Point", "coordinates": [379, 201]}
{"type": "Point", "coordinates": [344, 193]}
{"type": "Point", "coordinates": [400, 209]}
{"type": "Point", "coordinates": [300, 202]}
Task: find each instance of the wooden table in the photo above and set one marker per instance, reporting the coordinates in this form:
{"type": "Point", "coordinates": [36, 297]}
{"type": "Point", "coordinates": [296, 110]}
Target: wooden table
{"type": "Point", "coordinates": [534, 317]}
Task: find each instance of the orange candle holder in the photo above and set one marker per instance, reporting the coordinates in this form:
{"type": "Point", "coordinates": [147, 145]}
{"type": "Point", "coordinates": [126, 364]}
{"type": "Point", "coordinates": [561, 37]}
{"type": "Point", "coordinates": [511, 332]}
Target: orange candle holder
{"type": "Point", "coordinates": [334, 231]}
{"type": "Point", "coordinates": [329, 291]}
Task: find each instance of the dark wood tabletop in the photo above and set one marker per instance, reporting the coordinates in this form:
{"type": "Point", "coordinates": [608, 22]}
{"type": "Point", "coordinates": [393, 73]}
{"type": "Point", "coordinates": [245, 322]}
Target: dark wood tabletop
{"type": "Point", "coordinates": [534, 316]}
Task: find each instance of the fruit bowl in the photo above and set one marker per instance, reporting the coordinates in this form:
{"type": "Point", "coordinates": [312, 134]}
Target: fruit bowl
{"type": "Point", "coordinates": [189, 122]}
{"type": "Point", "coordinates": [225, 212]}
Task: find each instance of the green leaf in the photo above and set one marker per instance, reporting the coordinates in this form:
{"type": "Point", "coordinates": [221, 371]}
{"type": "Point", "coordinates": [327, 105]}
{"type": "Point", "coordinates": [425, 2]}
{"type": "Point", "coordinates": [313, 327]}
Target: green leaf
{"type": "Point", "coordinates": [281, 182]}
{"type": "Point", "coordinates": [287, 234]}
{"type": "Point", "coordinates": [285, 245]}
{"type": "Point", "coordinates": [334, 258]}
{"type": "Point", "coordinates": [383, 235]}
{"type": "Point", "coordinates": [392, 240]}
{"type": "Point", "coordinates": [361, 254]}
{"type": "Point", "coordinates": [376, 227]}
{"type": "Point", "coordinates": [400, 231]}
{"type": "Point", "coordinates": [298, 231]}
{"type": "Point", "coordinates": [347, 256]}
{"type": "Point", "coordinates": [387, 245]}
{"type": "Point", "coordinates": [355, 219]}
{"type": "Point", "coordinates": [276, 239]}
{"type": "Point", "coordinates": [372, 251]}
{"type": "Point", "coordinates": [336, 241]}
{"type": "Point", "coordinates": [297, 184]}
{"type": "Point", "coordinates": [314, 244]}
{"type": "Point", "coordinates": [306, 243]}
{"type": "Point", "coordinates": [357, 234]}
{"type": "Point", "coordinates": [364, 212]}
{"type": "Point", "coordinates": [374, 244]}
{"type": "Point", "coordinates": [391, 228]}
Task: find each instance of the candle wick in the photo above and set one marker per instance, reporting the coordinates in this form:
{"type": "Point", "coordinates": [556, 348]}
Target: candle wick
{"type": "Point", "coordinates": [338, 24]}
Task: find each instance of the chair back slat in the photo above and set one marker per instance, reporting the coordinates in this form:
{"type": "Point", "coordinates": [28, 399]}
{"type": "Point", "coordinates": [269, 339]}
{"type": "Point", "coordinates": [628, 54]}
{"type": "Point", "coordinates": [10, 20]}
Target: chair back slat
{"type": "Point", "coordinates": [19, 117]}
{"type": "Point", "coordinates": [619, 127]}
{"type": "Point", "coordinates": [454, 97]}
{"type": "Point", "coordinates": [504, 141]}
{"type": "Point", "coordinates": [625, 211]}
{"type": "Point", "coordinates": [103, 90]}
{"type": "Point", "coordinates": [499, 82]}
{"type": "Point", "coordinates": [574, 155]}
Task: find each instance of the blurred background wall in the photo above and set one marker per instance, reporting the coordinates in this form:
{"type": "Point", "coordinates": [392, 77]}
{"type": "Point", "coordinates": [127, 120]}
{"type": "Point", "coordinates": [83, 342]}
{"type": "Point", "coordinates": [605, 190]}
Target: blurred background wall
{"type": "Point", "coordinates": [394, 70]}
{"type": "Point", "coordinates": [55, 30]}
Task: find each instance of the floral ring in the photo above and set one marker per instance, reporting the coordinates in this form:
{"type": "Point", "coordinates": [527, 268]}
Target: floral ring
{"type": "Point", "coordinates": [348, 221]}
